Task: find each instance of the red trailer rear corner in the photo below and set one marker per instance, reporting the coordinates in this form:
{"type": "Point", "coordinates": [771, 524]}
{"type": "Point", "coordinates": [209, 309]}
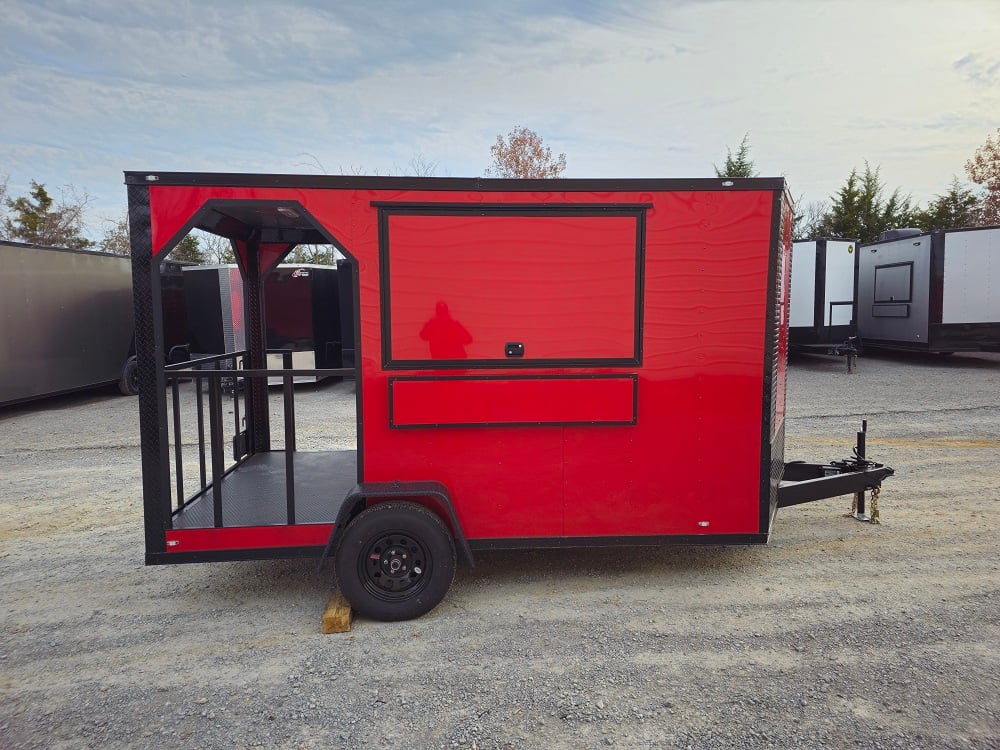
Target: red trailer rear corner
{"type": "Point", "coordinates": [538, 363]}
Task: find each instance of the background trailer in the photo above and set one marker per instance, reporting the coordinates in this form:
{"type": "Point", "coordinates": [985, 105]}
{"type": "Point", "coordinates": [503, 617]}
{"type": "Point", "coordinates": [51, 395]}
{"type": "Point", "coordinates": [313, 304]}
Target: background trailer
{"type": "Point", "coordinates": [822, 310]}
{"type": "Point", "coordinates": [933, 292]}
{"type": "Point", "coordinates": [65, 321]}
{"type": "Point", "coordinates": [302, 313]}
{"type": "Point", "coordinates": [538, 363]}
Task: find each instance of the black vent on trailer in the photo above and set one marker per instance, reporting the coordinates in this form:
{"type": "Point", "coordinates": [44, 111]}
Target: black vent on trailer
{"type": "Point", "coordinates": [898, 234]}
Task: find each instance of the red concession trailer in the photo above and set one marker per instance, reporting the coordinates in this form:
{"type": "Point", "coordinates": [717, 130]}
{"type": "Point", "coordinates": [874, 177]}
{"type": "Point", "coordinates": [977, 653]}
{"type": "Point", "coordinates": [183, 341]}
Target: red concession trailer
{"type": "Point", "coordinates": [539, 363]}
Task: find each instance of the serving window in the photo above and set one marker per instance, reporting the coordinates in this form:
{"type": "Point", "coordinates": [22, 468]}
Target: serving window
{"type": "Point", "coordinates": [894, 282]}
{"type": "Point", "coordinates": [512, 286]}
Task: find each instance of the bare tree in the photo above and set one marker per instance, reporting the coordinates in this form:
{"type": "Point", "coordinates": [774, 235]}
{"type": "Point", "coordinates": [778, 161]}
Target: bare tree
{"type": "Point", "coordinates": [116, 237]}
{"type": "Point", "coordinates": [323, 255]}
{"type": "Point", "coordinates": [809, 221]}
{"type": "Point", "coordinates": [522, 154]}
{"type": "Point", "coordinates": [984, 169]}
{"type": "Point", "coordinates": [3, 206]}
{"type": "Point", "coordinates": [217, 250]}
{"type": "Point", "coordinates": [421, 167]}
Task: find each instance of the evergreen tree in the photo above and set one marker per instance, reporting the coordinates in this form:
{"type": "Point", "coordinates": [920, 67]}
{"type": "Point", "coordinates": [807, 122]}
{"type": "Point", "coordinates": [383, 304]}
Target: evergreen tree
{"type": "Point", "coordinates": [188, 250]}
{"type": "Point", "coordinates": [740, 165]}
{"type": "Point", "coordinates": [36, 218]}
{"type": "Point", "coordinates": [956, 209]}
{"type": "Point", "coordinates": [860, 211]}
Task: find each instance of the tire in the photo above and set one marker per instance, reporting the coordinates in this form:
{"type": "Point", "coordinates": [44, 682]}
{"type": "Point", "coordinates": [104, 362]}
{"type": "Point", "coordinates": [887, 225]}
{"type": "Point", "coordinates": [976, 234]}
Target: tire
{"type": "Point", "coordinates": [128, 384]}
{"type": "Point", "coordinates": [396, 561]}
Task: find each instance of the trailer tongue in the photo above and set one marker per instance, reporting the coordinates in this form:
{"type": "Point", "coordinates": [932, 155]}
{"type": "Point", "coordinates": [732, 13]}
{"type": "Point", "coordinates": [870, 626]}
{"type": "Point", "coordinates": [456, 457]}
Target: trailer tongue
{"type": "Point", "coordinates": [538, 363]}
{"type": "Point", "coordinates": [805, 483]}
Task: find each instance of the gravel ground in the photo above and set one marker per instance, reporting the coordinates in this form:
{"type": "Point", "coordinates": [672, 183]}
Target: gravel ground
{"type": "Point", "coordinates": [837, 634]}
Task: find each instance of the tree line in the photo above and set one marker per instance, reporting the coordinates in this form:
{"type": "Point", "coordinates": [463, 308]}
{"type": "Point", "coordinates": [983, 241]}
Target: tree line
{"type": "Point", "coordinates": [40, 218]}
{"type": "Point", "coordinates": [860, 209]}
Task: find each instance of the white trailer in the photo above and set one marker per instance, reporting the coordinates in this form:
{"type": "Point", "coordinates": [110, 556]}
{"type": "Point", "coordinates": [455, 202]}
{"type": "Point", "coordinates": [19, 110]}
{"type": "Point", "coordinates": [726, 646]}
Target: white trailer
{"type": "Point", "coordinates": [822, 302]}
{"type": "Point", "coordinates": [933, 292]}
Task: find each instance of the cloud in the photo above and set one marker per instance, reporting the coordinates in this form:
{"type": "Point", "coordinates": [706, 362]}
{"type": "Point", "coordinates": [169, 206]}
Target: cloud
{"type": "Point", "coordinates": [637, 89]}
{"type": "Point", "coordinates": [978, 71]}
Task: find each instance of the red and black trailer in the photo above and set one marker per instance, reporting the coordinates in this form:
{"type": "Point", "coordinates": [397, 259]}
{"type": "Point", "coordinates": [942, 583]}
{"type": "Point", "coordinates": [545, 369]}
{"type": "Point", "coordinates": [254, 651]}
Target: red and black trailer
{"type": "Point", "coordinates": [539, 363]}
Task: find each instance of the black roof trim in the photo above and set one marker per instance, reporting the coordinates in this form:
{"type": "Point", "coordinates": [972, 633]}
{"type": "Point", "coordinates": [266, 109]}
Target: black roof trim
{"type": "Point", "coordinates": [229, 179]}
{"type": "Point", "coordinates": [77, 250]}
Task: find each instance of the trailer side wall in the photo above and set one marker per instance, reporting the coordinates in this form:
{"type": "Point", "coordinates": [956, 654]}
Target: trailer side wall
{"type": "Point", "coordinates": [972, 277]}
{"type": "Point", "coordinates": [893, 290]}
{"type": "Point", "coordinates": [65, 320]}
{"type": "Point", "coordinates": [644, 399]}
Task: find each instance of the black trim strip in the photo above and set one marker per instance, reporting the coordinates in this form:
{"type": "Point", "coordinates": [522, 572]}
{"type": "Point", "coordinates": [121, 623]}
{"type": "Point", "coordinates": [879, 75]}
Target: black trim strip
{"type": "Point", "coordinates": [526, 209]}
{"type": "Point", "coordinates": [505, 364]}
{"type": "Point", "coordinates": [469, 184]}
{"type": "Point", "coordinates": [819, 287]}
{"type": "Point", "coordinates": [480, 545]}
{"type": "Point", "coordinates": [475, 545]}
{"type": "Point", "coordinates": [935, 291]}
{"type": "Point", "coordinates": [234, 555]}
{"type": "Point", "coordinates": [770, 347]}
{"type": "Point", "coordinates": [952, 337]}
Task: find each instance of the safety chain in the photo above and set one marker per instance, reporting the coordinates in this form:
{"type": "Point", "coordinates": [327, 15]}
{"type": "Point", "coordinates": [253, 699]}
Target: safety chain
{"type": "Point", "coordinates": [873, 518]}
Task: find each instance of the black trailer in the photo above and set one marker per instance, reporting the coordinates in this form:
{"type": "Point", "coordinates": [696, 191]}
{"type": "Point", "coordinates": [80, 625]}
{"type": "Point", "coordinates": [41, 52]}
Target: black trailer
{"type": "Point", "coordinates": [303, 313]}
{"type": "Point", "coordinates": [932, 291]}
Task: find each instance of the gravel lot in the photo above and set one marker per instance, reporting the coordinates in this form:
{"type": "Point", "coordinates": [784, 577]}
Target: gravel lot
{"type": "Point", "coordinates": [837, 634]}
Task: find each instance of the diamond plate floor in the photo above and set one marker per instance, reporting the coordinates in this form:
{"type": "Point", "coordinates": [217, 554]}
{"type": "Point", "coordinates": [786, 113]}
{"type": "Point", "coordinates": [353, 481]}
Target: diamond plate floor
{"type": "Point", "coordinates": [254, 493]}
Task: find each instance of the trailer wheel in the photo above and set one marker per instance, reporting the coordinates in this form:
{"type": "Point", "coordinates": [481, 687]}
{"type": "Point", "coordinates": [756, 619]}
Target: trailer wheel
{"type": "Point", "coordinates": [128, 384]}
{"type": "Point", "coordinates": [396, 561]}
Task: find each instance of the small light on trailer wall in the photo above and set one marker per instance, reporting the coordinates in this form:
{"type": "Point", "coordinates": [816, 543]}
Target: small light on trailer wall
{"type": "Point", "coordinates": [152, 178]}
{"type": "Point", "coordinates": [703, 523]}
{"type": "Point", "coordinates": [291, 213]}
{"type": "Point", "coordinates": [727, 183]}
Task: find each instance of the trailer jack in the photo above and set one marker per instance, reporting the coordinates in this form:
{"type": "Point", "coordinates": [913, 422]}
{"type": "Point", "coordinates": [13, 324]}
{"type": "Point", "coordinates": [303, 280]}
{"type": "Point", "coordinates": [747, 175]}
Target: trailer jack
{"type": "Point", "coordinates": [849, 349]}
{"type": "Point", "coordinates": [805, 483]}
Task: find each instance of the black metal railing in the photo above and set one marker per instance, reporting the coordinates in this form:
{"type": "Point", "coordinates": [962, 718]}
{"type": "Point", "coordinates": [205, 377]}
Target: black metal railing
{"type": "Point", "coordinates": [223, 377]}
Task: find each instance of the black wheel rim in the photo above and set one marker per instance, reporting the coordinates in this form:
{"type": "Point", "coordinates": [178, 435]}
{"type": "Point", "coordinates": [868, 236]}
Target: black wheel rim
{"type": "Point", "coordinates": [395, 566]}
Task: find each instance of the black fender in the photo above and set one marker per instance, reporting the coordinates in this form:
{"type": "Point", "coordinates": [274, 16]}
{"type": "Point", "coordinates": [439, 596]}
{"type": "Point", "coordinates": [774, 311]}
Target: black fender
{"type": "Point", "coordinates": [357, 500]}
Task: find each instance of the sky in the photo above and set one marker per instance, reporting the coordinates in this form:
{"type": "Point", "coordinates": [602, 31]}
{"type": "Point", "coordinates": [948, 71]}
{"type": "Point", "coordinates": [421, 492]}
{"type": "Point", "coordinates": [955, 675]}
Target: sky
{"type": "Point", "coordinates": [92, 88]}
